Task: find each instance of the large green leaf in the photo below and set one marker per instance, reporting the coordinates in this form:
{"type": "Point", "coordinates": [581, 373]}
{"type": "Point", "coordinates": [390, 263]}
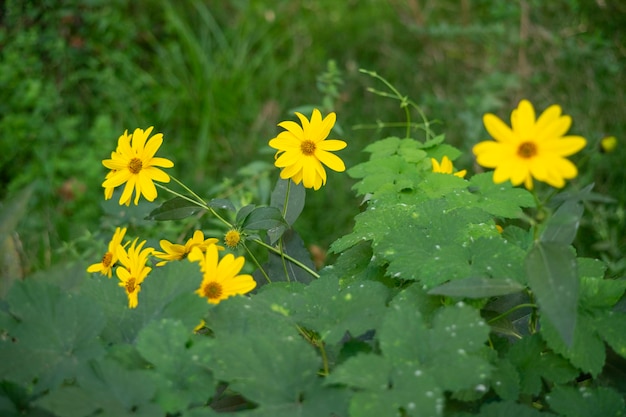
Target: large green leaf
{"type": "Point", "coordinates": [182, 363]}
{"type": "Point", "coordinates": [51, 336]}
{"type": "Point", "coordinates": [289, 198]}
{"type": "Point", "coordinates": [501, 200]}
{"type": "Point", "coordinates": [552, 276]}
{"type": "Point", "coordinates": [587, 401]}
{"type": "Point", "coordinates": [475, 287]}
{"type": "Point", "coordinates": [562, 225]}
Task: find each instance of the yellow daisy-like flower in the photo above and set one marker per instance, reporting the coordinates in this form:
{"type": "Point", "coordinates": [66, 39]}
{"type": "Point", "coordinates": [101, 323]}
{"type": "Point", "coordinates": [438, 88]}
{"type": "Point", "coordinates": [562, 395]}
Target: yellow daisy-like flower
{"type": "Point", "coordinates": [530, 148]}
{"type": "Point", "coordinates": [221, 278]}
{"type": "Point", "coordinates": [446, 167]}
{"type": "Point", "coordinates": [176, 252]}
{"type": "Point", "coordinates": [232, 238]}
{"type": "Point", "coordinates": [134, 163]}
{"type": "Point", "coordinates": [133, 270]}
{"type": "Point", "coordinates": [105, 266]}
{"type": "Point", "coordinates": [303, 149]}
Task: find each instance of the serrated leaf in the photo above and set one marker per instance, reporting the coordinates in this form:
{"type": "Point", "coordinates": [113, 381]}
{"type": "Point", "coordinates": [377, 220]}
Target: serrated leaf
{"type": "Point", "coordinates": [600, 293]}
{"type": "Point", "coordinates": [611, 326]}
{"type": "Point", "coordinates": [501, 200]}
{"type": "Point", "coordinates": [175, 209]}
{"type": "Point", "coordinates": [552, 276]}
{"type": "Point", "coordinates": [183, 366]}
{"type": "Point", "coordinates": [562, 225]}
{"type": "Point", "coordinates": [263, 218]}
{"type": "Point", "coordinates": [534, 363]}
{"type": "Point", "coordinates": [294, 194]}
{"type": "Point", "coordinates": [587, 401]}
{"type": "Point", "coordinates": [477, 287]}
{"type": "Point", "coordinates": [505, 380]}
{"type": "Point", "coordinates": [54, 334]}
{"type": "Point", "coordinates": [587, 350]}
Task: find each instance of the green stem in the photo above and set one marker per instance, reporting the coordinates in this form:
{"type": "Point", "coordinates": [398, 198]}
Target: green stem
{"type": "Point", "coordinates": [256, 262]}
{"type": "Point", "coordinates": [289, 257]}
{"type": "Point", "coordinates": [280, 241]}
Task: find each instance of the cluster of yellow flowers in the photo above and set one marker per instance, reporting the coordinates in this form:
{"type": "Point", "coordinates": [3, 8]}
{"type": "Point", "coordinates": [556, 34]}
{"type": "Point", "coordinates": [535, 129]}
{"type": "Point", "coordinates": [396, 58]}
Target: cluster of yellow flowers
{"type": "Point", "coordinates": [530, 149]}
{"type": "Point", "coordinates": [301, 153]}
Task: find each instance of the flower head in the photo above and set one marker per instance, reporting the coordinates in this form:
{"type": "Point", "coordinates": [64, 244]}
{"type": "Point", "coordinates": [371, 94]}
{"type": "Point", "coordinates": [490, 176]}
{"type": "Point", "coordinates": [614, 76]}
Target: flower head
{"type": "Point", "coordinates": [134, 163]}
{"type": "Point", "coordinates": [232, 238]}
{"type": "Point", "coordinates": [176, 252]}
{"type": "Point", "coordinates": [446, 167]}
{"type": "Point", "coordinates": [221, 278]}
{"type": "Point", "coordinates": [133, 269]}
{"type": "Point", "coordinates": [530, 148]}
{"type": "Point", "coordinates": [303, 149]}
{"type": "Point", "coordinates": [105, 266]}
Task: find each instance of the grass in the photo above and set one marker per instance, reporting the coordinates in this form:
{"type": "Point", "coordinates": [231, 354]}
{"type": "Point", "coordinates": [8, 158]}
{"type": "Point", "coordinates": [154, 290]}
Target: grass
{"type": "Point", "coordinates": [217, 79]}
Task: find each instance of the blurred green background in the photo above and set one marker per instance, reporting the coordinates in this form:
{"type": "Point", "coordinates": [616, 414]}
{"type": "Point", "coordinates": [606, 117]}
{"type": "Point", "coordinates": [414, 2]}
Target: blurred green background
{"type": "Point", "coordinates": [217, 76]}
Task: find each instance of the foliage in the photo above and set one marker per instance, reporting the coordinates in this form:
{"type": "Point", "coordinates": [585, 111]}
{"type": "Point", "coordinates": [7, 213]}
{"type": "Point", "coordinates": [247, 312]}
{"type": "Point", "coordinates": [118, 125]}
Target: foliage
{"type": "Point", "coordinates": [439, 295]}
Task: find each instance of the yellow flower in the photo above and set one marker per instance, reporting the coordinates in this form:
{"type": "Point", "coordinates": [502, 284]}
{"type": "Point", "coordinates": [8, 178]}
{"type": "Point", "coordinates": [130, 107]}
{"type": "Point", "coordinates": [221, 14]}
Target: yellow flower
{"type": "Point", "coordinates": [134, 163]}
{"type": "Point", "coordinates": [232, 238]}
{"type": "Point", "coordinates": [105, 266]}
{"type": "Point", "coordinates": [220, 277]}
{"type": "Point", "coordinates": [133, 270]}
{"type": "Point", "coordinates": [303, 150]}
{"type": "Point", "coordinates": [530, 148]}
{"type": "Point", "coordinates": [176, 252]}
{"type": "Point", "coordinates": [446, 167]}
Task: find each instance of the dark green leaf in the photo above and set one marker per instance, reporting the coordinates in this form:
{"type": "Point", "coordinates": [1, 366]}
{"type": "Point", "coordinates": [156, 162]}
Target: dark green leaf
{"type": "Point", "coordinates": [501, 200]}
{"type": "Point", "coordinates": [552, 276]}
{"type": "Point", "coordinates": [243, 213]}
{"type": "Point", "coordinates": [366, 371]}
{"type": "Point", "coordinates": [611, 326]}
{"type": "Point", "coordinates": [294, 194]}
{"type": "Point", "coordinates": [587, 401]}
{"type": "Point", "coordinates": [277, 266]}
{"type": "Point", "coordinates": [174, 209]}
{"type": "Point", "coordinates": [53, 334]}
{"type": "Point", "coordinates": [221, 203]}
{"type": "Point", "coordinates": [263, 218]}
{"type": "Point", "coordinates": [477, 287]}
{"type": "Point", "coordinates": [562, 225]}
{"type": "Point", "coordinates": [509, 409]}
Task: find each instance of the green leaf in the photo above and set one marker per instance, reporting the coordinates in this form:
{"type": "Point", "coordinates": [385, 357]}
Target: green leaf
{"type": "Point", "coordinates": [585, 402]}
{"type": "Point", "coordinates": [276, 266]}
{"type": "Point", "coordinates": [167, 292]}
{"type": "Point", "coordinates": [294, 194]}
{"type": "Point", "coordinates": [587, 350]}
{"type": "Point", "coordinates": [534, 363]}
{"type": "Point", "coordinates": [552, 276]}
{"type": "Point", "coordinates": [183, 364]}
{"type": "Point", "coordinates": [263, 218]}
{"type": "Point", "coordinates": [107, 389]}
{"type": "Point", "coordinates": [364, 372]}
{"type": "Point", "coordinates": [505, 380]}
{"type": "Point", "coordinates": [600, 293]}
{"type": "Point", "coordinates": [243, 213]}
{"type": "Point", "coordinates": [175, 209]}
{"type": "Point", "coordinates": [52, 335]}
{"type": "Point", "coordinates": [476, 287]}
{"type": "Point", "coordinates": [562, 225]}
{"type": "Point", "coordinates": [222, 203]}
{"type": "Point", "coordinates": [509, 408]}
{"type": "Point", "coordinates": [611, 326]}
{"type": "Point", "coordinates": [501, 200]}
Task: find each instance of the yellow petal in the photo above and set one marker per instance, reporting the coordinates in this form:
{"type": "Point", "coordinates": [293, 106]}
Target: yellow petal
{"type": "Point", "coordinates": [498, 129]}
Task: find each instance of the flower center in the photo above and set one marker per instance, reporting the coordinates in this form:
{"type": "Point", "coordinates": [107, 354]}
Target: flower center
{"type": "Point", "coordinates": [232, 238]}
{"type": "Point", "coordinates": [527, 150]}
{"type": "Point", "coordinates": [106, 259]}
{"type": "Point", "coordinates": [212, 290]}
{"type": "Point", "coordinates": [135, 165]}
{"type": "Point", "coordinates": [308, 147]}
{"type": "Point", "coordinates": [130, 286]}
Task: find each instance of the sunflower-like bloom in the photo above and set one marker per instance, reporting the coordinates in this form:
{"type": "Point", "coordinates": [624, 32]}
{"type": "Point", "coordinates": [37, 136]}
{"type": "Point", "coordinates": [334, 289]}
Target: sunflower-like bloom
{"type": "Point", "coordinates": [221, 278]}
{"type": "Point", "coordinates": [134, 163]}
{"type": "Point", "coordinates": [303, 149]}
{"type": "Point", "coordinates": [530, 148]}
{"type": "Point", "coordinates": [446, 167]}
{"type": "Point", "coordinates": [105, 266]}
{"type": "Point", "coordinates": [133, 270]}
{"type": "Point", "coordinates": [232, 238]}
{"type": "Point", "coordinates": [176, 252]}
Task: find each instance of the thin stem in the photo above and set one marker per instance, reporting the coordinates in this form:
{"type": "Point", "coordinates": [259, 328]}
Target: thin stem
{"type": "Point", "coordinates": [290, 258]}
{"type": "Point", "coordinates": [256, 262]}
{"type": "Point", "coordinates": [198, 202]}
{"type": "Point", "coordinates": [511, 310]}
{"type": "Point", "coordinates": [280, 240]}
